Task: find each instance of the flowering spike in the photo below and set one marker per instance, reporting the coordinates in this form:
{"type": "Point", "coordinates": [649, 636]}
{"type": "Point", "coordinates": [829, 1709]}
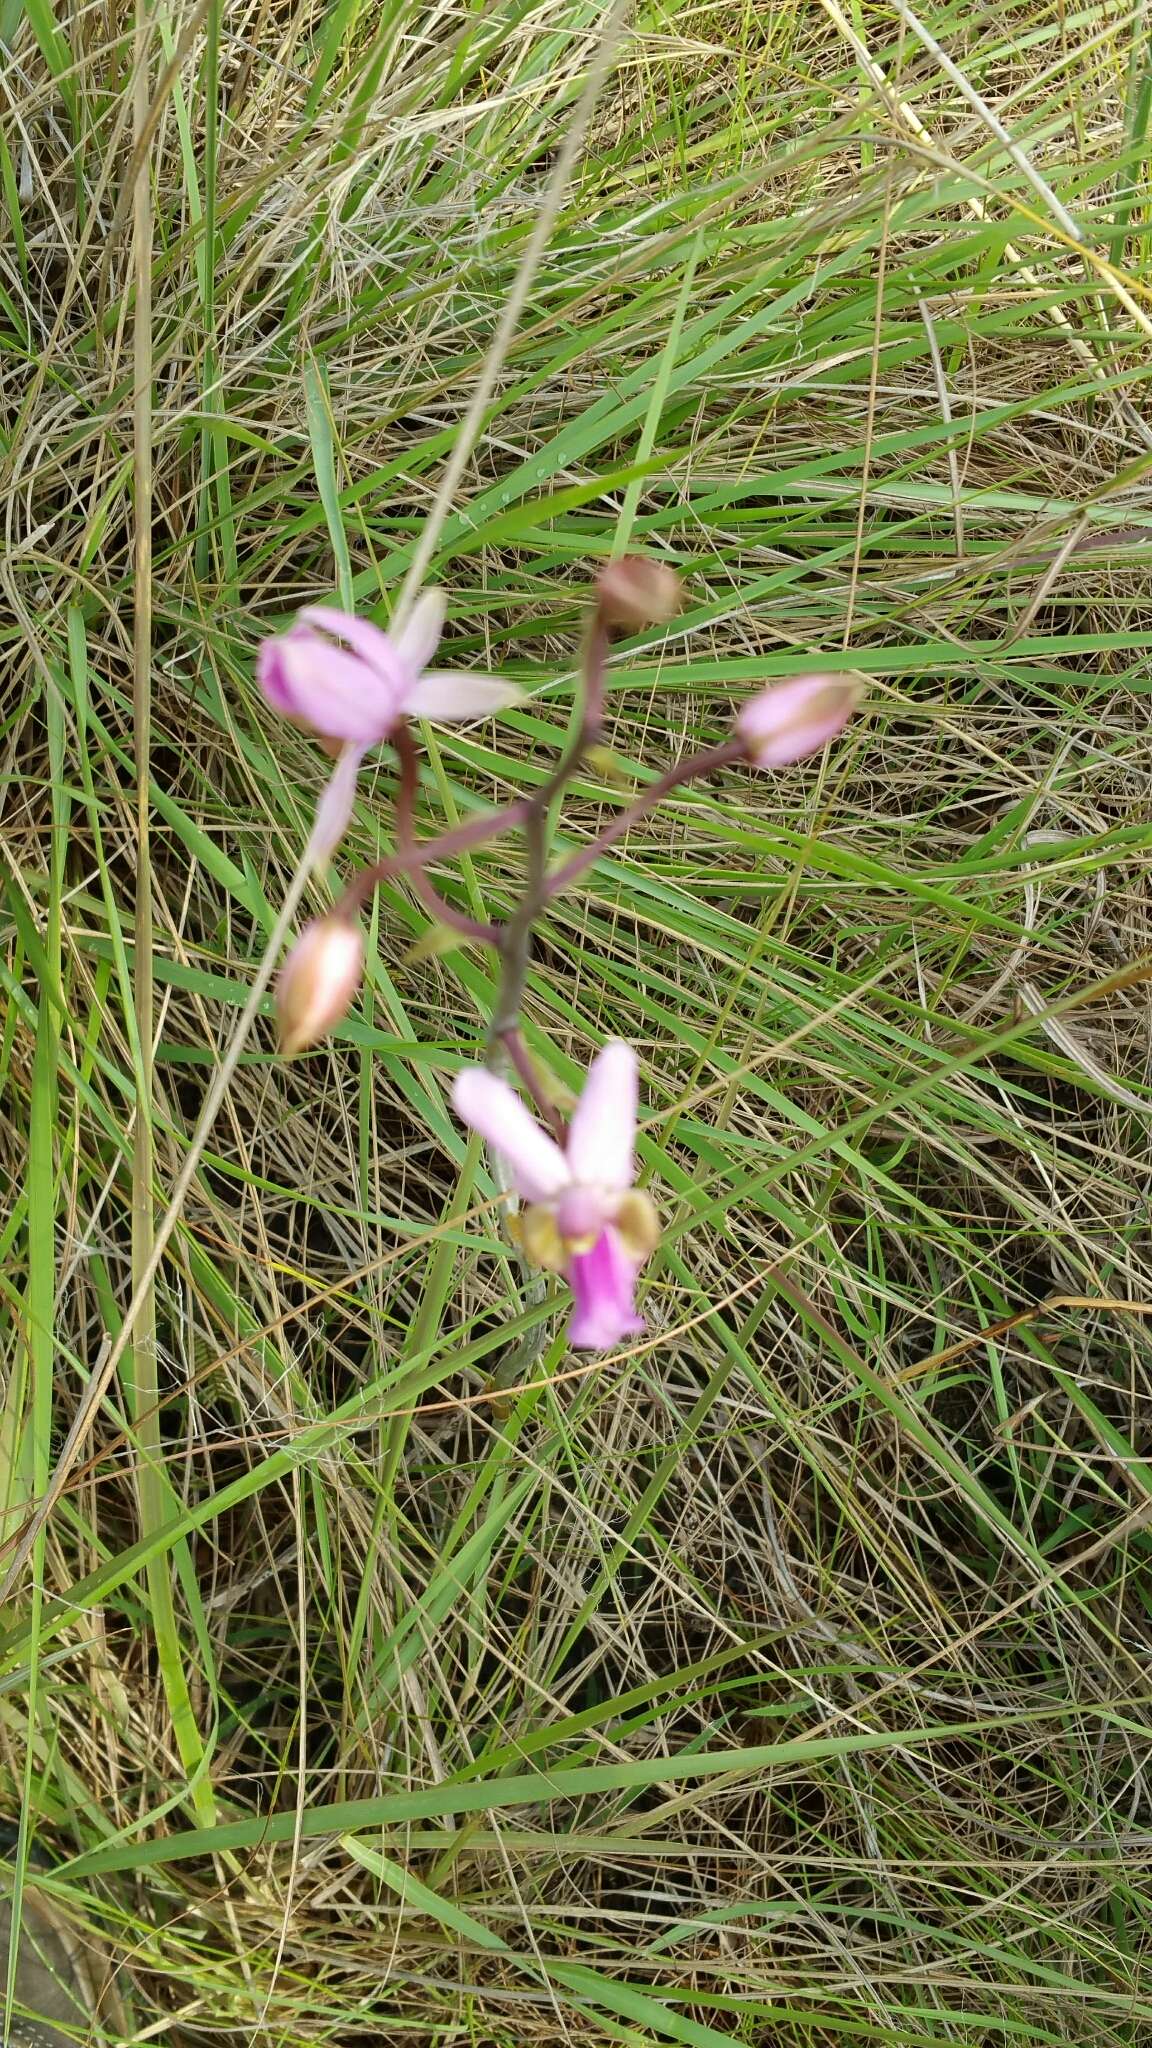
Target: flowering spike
{"type": "Point", "coordinates": [318, 981]}
{"type": "Point", "coordinates": [795, 718]}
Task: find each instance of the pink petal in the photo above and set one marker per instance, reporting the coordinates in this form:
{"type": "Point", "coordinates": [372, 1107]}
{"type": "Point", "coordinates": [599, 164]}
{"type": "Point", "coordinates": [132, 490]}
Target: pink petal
{"type": "Point", "coordinates": [370, 642]}
{"type": "Point", "coordinates": [335, 806]}
{"type": "Point", "coordinates": [442, 694]}
{"type": "Point", "coordinates": [416, 641]}
{"type": "Point", "coordinates": [581, 1213]}
{"type": "Point", "coordinates": [603, 1283]}
{"type": "Point", "coordinates": [271, 676]}
{"type": "Point", "coordinates": [792, 719]}
{"type": "Point", "coordinates": [335, 693]}
{"type": "Point", "coordinates": [602, 1134]}
{"type": "Point", "coordinates": [494, 1109]}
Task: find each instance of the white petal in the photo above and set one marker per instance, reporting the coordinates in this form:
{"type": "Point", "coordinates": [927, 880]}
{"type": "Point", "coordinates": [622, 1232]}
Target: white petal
{"type": "Point", "coordinates": [495, 1110]}
{"type": "Point", "coordinates": [335, 806]}
{"type": "Point", "coordinates": [450, 696]}
{"type": "Point", "coordinates": [417, 640]}
{"type": "Point", "coordinates": [602, 1134]}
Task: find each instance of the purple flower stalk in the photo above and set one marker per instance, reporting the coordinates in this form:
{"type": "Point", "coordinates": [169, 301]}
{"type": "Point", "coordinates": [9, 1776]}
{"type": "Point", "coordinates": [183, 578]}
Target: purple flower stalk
{"type": "Point", "coordinates": [352, 683]}
{"type": "Point", "coordinates": [585, 1218]}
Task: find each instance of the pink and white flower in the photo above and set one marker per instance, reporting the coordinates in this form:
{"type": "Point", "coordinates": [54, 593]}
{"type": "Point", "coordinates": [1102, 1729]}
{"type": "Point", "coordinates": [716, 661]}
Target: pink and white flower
{"type": "Point", "coordinates": [794, 718]}
{"type": "Point", "coordinates": [352, 683]}
{"type": "Point", "coordinates": [318, 981]}
{"type": "Point", "coordinates": [584, 1218]}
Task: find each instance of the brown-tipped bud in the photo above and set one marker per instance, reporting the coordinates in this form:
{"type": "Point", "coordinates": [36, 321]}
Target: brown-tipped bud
{"type": "Point", "coordinates": [318, 981]}
{"type": "Point", "coordinates": [633, 592]}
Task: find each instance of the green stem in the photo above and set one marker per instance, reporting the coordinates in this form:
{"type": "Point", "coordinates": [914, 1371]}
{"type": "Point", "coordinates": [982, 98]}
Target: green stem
{"type": "Point", "coordinates": [152, 1490]}
{"type": "Point", "coordinates": [459, 840]}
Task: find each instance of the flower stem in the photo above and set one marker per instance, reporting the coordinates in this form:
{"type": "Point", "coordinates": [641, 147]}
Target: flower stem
{"type": "Point", "coordinates": [460, 839]}
{"type": "Point", "coordinates": [516, 939]}
{"type": "Point", "coordinates": [705, 763]}
{"type": "Point", "coordinates": [595, 664]}
{"type": "Point", "coordinates": [445, 912]}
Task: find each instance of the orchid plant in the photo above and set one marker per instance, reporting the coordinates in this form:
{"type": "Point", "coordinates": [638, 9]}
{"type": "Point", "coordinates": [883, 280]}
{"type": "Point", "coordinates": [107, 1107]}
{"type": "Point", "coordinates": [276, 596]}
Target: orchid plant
{"type": "Point", "coordinates": [355, 686]}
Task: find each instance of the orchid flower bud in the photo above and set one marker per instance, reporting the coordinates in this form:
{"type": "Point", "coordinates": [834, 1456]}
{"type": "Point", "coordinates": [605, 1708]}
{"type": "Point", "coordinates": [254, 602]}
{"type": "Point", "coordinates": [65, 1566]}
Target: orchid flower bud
{"type": "Point", "coordinates": [318, 981]}
{"type": "Point", "coordinates": [633, 592]}
{"type": "Point", "coordinates": [795, 718]}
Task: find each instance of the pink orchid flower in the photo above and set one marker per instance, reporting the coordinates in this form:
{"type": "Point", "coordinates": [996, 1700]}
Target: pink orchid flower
{"type": "Point", "coordinates": [585, 1218]}
{"type": "Point", "coordinates": [352, 683]}
{"type": "Point", "coordinates": [792, 719]}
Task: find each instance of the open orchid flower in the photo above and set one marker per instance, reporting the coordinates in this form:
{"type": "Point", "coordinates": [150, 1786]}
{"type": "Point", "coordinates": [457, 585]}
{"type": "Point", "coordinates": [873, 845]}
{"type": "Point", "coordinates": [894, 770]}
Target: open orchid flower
{"type": "Point", "coordinates": [584, 1218]}
{"type": "Point", "coordinates": [352, 683]}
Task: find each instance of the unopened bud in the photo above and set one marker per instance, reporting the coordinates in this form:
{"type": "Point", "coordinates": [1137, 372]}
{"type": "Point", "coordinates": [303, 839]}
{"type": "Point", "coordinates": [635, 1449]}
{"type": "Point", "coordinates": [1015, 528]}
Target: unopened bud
{"type": "Point", "coordinates": [318, 981]}
{"type": "Point", "coordinates": [634, 592]}
{"type": "Point", "coordinates": [795, 718]}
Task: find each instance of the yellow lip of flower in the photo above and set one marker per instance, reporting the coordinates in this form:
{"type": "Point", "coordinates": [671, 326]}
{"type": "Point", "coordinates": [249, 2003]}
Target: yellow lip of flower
{"type": "Point", "coordinates": [540, 1237]}
{"type": "Point", "coordinates": [635, 1221]}
{"type": "Point", "coordinates": [637, 1224]}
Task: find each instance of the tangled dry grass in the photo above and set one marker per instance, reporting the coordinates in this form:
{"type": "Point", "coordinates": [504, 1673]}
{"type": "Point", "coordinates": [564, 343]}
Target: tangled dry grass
{"type": "Point", "coordinates": [785, 1680]}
